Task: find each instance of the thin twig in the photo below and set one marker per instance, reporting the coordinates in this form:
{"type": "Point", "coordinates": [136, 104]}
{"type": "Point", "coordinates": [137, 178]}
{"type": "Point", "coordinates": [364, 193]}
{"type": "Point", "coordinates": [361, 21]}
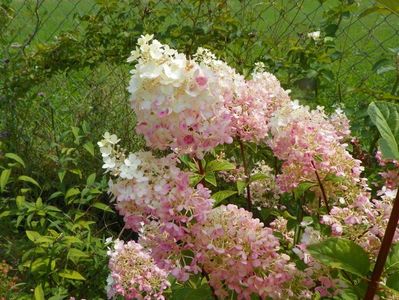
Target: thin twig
{"type": "Point", "coordinates": [201, 171]}
{"type": "Point", "coordinates": [200, 167]}
{"type": "Point", "coordinates": [120, 233]}
{"type": "Point", "coordinates": [384, 250]}
{"type": "Point", "coordinates": [323, 191]}
{"type": "Point", "coordinates": [36, 29]}
{"type": "Point", "coordinates": [206, 275]}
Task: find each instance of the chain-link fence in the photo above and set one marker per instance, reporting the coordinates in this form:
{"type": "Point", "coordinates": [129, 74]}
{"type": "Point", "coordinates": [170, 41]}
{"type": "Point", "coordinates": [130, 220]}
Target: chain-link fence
{"type": "Point", "coordinates": [63, 61]}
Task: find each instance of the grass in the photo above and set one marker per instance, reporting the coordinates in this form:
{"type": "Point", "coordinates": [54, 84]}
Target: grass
{"type": "Point", "coordinates": [99, 96]}
{"type": "Point", "coordinates": [55, 16]}
{"type": "Point", "coordinates": [362, 42]}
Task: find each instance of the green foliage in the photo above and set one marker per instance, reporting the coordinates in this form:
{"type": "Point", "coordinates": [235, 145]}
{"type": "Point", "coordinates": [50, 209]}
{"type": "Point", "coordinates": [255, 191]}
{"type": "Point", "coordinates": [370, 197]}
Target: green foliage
{"type": "Point", "coordinates": [341, 254]}
{"type": "Point", "coordinates": [51, 86]}
{"type": "Point", "coordinates": [55, 235]}
{"type": "Point", "coordinates": [386, 117]}
{"type": "Point", "coordinates": [393, 281]}
{"type": "Point", "coordinates": [219, 165]}
{"type": "Point", "coordinates": [196, 288]}
{"type": "Point", "coordinates": [221, 195]}
{"type": "Point", "coordinates": [392, 268]}
{"type": "Point", "coordinates": [56, 97]}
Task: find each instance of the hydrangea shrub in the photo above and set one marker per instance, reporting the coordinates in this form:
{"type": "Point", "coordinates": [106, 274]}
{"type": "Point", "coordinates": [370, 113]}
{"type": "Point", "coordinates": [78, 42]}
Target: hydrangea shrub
{"type": "Point", "coordinates": [240, 185]}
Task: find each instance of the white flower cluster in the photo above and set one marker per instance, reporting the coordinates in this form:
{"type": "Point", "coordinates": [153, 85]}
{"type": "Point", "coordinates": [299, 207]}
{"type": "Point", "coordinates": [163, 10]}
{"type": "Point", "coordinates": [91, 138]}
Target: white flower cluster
{"type": "Point", "coordinates": [115, 160]}
{"type": "Point", "coordinates": [178, 102]}
{"type": "Point", "coordinates": [315, 35]}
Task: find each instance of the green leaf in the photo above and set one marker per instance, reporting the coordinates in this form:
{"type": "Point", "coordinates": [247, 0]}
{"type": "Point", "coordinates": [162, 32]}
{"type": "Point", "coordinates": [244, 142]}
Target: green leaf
{"type": "Point", "coordinates": [348, 294]}
{"type": "Point", "coordinates": [72, 240]}
{"type": "Point", "coordinates": [39, 202]}
{"type": "Point", "coordinates": [29, 179]}
{"type": "Point", "coordinates": [90, 180]}
{"type": "Point", "coordinates": [241, 186]}
{"type": "Point", "coordinates": [77, 172]}
{"type": "Point", "coordinates": [39, 293]}
{"type": "Point", "coordinates": [70, 274]}
{"type": "Point", "coordinates": [187, 161]}
{"type": "Point", "coordinates": [386, 117]}
{"type": "Point", "coordinates": [75, 132]}
{"type": "Point", "coordinates": [257, 176]}
{"type": "Point", "coordinates": [5, 213]}
{"type": "Point", "coordinates": [191, 290]}
{"type": "Point", "coordinates": [55, 195]}
{"type": "Point", "coordinates": [102, 206]}
{"type": "Point", "coordinates": [341, 254]}
{"type": "Point", "coordinates": [210, 177]}
{"type": "Point", "coordinates": [300, 190]}
{"type": "Point", "coordinates": [72, 192]}
{"type": "Point", "coordinates": [221, 195]}
{"type": "Point", "coordinates": [380, 64]}
{"type": "Point", "coordinates": [20, 201]}
{"type": "Point", "coordinates": [61, 175]}
{"type": "Point", "coordinates": [89, 147]}
{"type": "Point", "coordinates": [393, 258]}
{"type": "Point", "coordinates": [219, 165]}
{"type": "Point", "coordinates": [5, 175]}
{"type": "Point", "coordinates": [75, 255]}
{"type": "Point", "coordinates": [15, 157]}
{"type": "Point", "coordinates": [393, 281]}
{"type": "Point", "coordinates": [33, 235]}
{"type": "Point", "coordinates": [195, 179]}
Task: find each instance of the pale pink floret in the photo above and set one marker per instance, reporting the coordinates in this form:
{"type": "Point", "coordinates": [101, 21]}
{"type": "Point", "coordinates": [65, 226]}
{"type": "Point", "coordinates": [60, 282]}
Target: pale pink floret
{"type": "Point", "coordinates": [308, 141]}
{"type": "Point", "coordinates": [178, 102]}
{"type": "Point", "coordinates": [134, 274]}
{"type": "Point", "coordinates": [232, 240]}
{"type": "Point", "coordinates": [363, 221]}
{"type": "Point", "coordinates": [252, 104]}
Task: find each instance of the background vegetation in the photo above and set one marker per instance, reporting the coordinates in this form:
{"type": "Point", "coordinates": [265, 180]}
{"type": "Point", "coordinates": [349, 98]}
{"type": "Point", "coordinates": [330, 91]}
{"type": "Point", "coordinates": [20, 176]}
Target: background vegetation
{"type": "Point", "coordinates": [63, 80]}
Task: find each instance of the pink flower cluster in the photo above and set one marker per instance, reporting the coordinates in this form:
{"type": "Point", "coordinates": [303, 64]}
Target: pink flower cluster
{"type": "Point", "coordinates": [190, 106]}
{"type": "Point", "coordinates": [264, 189]}
{"type": "Point", "coordinates": [240, 254]}
{"type": "Point", "coordinates": [308, 141]}
{"type": "Point", "coordinates": [186, 236]}
{"type": "Point", "coordinates": [314, 277]}
{"type": "Point", "coordinates": [252, 104]}
{"type": "Point", "coordinates": [364, 221]}
{"type": "Point", "coordinates": [391, 174]}
{"type": "Point", "coordinates": [179, 103]}
{"type": "Point", "coordinates": [134, 274]}
{"type": "Point", "coordinates": [150, 188]}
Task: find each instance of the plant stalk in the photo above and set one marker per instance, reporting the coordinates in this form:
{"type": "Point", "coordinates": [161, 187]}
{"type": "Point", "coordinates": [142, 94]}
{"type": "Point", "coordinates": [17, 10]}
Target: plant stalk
{"type": "Point", "coordinates": [205, 274]}
{"type": "Point", "coordinates": [323, 191]}
{"type": "Point", "coordinates": [384, 250]}
{"type": "Point", "coordinates": [201, 171]}
{"type": "Point", "coordinates": [247, 175]}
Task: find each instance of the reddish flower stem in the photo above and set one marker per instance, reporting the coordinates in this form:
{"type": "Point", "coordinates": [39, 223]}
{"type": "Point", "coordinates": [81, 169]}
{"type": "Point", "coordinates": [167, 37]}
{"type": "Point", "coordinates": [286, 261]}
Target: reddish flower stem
{"type": "Point", "coordinates": [201, 171]}
{"type": "Point", "coordinates": [200, 167]}
{"type": "Point", "coordinates": [206, 275]}
{"type": "Point", "coordinates": [323, 191]}
{"type": "Point", "coordinates": [384, 250]}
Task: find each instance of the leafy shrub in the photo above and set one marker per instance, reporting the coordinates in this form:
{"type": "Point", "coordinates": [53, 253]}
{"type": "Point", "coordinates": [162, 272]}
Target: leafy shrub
{"type": "Point", "coordinates": [226, 149]}
{"type": "Point", "coordinates": [53, 233]}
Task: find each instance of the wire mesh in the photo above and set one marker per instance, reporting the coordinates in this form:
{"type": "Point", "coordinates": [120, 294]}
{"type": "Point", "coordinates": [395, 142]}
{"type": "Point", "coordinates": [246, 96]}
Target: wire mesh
{"type": "Point", "coordinates": [96, 94]}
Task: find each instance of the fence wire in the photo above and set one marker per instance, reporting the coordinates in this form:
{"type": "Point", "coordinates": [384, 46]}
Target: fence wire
{"type": "Point", "coordinates": [364, 58]}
